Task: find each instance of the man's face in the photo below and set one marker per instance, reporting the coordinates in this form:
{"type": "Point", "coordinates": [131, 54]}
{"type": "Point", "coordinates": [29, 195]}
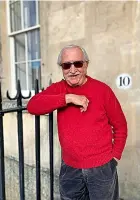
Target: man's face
{"type": "Point", "coordinates": [74, 74]}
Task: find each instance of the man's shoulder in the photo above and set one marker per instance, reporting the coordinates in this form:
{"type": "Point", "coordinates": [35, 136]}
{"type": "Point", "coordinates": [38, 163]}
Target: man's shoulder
{"type": "Point", "coordinates": [100, 84]}
{"type": "Point", "coordinates": [59, 85]}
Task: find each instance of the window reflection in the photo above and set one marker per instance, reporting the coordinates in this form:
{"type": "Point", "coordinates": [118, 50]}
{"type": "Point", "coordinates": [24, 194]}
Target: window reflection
{"type": "Point", "coordinates": [15, 15]}
{"type": "Point", "coordinates": [21, 75]}
{"type": "Point", "coordinates": [34, 73]}
{"type": "Point", "coordinates": [20, 47]}
{"type": "Point", "coordinates": [33, 45]}
{"type": "Point", "coordinates": [29, 10]}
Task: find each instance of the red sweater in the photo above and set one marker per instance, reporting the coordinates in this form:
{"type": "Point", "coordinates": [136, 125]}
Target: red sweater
{"type": "Point", "coordinates": [91, 138]}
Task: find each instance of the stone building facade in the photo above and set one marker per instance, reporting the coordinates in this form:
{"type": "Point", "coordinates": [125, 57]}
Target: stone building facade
{"type": "Point", "coordinates": [110, 32]}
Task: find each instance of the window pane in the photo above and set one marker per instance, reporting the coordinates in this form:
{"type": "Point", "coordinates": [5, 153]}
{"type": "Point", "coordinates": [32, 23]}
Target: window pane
{"type": "Point", "coordinates": [33, 45]}
{"type": "Point", "coordinates": [29, 10]}
{"type": "Point", "coordinates": [20, 47]}
{"type": "Point", "coordinates": [21, 75]}
{"type": "Point", "coordinates": [15, 15]}
{"type": "Point", "coordinates": [34, 73]}
{"type": "Point", "coordinates": [12, 1]}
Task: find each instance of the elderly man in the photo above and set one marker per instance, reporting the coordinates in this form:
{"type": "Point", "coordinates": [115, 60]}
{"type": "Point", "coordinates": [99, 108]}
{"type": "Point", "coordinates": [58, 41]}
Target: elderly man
{"type": "Point", "coordinates": [91, 125]}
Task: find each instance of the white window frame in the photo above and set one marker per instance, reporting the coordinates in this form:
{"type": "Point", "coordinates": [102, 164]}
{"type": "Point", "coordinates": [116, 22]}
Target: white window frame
{"type": "Point", "coordinates": [12, 47]}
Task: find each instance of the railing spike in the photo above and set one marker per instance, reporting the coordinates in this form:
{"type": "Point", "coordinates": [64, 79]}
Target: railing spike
{"type": "Point", "coordinates": [36, 86]}
{"type": "Point", "coordinates": [11, 98]}
{"type": "Point", "coordinates": [50, 82]}
{"type": "Point", "coordinates": [18, 88]}
{"type": "Point", "coordinates": [27, 97]}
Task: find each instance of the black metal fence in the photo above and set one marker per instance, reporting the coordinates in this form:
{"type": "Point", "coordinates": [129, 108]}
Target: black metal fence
{"type": "Point", "coordinates": [19, 110]}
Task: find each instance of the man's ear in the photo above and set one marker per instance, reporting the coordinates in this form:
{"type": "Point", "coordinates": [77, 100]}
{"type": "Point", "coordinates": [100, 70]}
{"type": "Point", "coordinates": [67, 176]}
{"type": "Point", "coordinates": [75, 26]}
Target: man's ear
{"type": "Point", "coordinates": [86, 64]}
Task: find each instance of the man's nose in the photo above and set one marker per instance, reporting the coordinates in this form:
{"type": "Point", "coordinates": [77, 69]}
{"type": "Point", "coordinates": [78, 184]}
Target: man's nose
{"type": "Point", "coordinates": [73, 69]}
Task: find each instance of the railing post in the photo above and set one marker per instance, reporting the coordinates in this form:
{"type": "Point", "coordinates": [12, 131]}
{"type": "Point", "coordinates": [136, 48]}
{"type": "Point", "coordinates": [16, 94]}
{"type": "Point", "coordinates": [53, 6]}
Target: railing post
{"type": "Point", "coordinates": [20, 142]}
{"type": "Point", "coordinates": [37, 150]}
{"type": "Point", "coordinates": [19, 110]}
{"type": "Point", "coordinates": [51, 155]}
{"type": "Point", "coordinates": [2, 167]}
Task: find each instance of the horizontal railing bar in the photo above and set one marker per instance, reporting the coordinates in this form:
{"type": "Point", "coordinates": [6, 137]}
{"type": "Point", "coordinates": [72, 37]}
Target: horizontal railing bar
{"type": "Point", "coordinates": [12, 110]}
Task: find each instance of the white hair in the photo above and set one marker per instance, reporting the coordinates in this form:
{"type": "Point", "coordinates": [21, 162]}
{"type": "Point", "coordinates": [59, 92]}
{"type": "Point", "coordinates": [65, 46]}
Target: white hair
{"type": "Point", "coordinates": [72, 46]}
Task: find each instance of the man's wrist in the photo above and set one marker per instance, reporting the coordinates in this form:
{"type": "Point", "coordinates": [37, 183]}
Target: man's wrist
{"type": "Point", "coordinates": [68, 98]}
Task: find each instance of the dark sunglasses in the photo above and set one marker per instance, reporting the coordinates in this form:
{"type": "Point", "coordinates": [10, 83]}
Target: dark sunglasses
{"type": "Point", "coordinates": [67, 65]}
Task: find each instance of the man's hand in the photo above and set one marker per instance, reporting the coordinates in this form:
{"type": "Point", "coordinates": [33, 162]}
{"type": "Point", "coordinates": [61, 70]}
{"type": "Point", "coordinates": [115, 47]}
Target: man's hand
{"type": "Point", "coordinates": [116, 159]}
{"type": "Point", "coordinates": [79, 100]}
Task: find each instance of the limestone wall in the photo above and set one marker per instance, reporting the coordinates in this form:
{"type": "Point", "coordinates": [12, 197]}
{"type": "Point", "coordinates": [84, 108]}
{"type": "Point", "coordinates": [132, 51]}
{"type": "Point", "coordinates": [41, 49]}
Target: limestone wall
{"type": "Point", "coordinates": [109, 31]}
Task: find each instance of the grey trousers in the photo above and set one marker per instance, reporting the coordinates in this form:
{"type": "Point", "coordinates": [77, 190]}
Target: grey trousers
{"type": "Point", "coordinates": [100, 183]}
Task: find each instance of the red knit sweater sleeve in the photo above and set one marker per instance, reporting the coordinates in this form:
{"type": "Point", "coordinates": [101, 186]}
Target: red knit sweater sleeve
{"type": "Point", "coordinates": [118, 122]}
{"type": "Point", "coordinates": [47, 101]}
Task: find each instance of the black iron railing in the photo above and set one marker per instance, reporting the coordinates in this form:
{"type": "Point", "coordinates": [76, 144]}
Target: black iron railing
{"type": "Point", "coordinates": [19, 110]}
{"type": "Point", "coordinates": [2, 167]}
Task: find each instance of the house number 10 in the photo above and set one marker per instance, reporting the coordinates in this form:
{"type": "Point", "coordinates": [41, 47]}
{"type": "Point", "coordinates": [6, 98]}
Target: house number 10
{"type": "Point", "coordinates": [124, 81]}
